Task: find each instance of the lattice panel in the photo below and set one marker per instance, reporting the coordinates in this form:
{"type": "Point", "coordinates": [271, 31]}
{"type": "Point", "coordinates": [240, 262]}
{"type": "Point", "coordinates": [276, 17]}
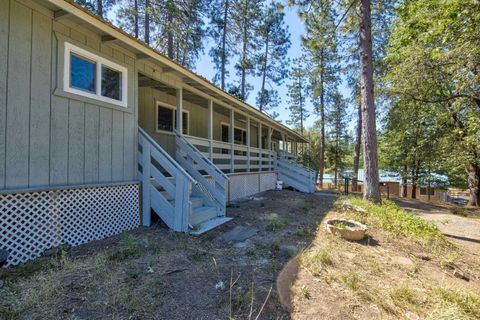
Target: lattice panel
{"type": "Point", "coordinates": [32, 222]}
{"type": "Point", "coordinates": [244, 185]}
{"type": "Point", "coordinates": [268, 181]}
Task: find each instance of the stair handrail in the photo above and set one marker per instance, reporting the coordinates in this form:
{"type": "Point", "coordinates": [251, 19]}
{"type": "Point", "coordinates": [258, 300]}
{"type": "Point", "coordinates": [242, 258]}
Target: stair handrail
{"type": "Point", "coordinates": [206, 159]}
{"type": "Point", "coordinates": [167, 156]}
{"type": "Point", "coordinates": [298, 164]}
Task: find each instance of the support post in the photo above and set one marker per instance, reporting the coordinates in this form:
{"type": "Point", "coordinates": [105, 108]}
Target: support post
{"type": "Point", "coordinates": [269, 143]}
{"type": "Point", "coordinates": [260, 155]}
{"type": "Point", "coordinates": [210, 130]}
{"type": "Point", "coordinates": [232, 141]}
{"type": "Point", "coordinates": [248, 144]}
{"type": "Point", "coordinates": [179, 114]}
{"type": "Point", "coordinates": [146, 216]}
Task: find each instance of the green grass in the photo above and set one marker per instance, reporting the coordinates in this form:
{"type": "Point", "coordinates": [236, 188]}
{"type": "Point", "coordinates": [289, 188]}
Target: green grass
{"type": "Point", "coordinates": [396, 221]}
{"type": "Point", "coordinates": [466, 212]}
{"type": "Point", "coordinates": [468, 303]}
{"type": "Point", "coordinates": [277, 223]}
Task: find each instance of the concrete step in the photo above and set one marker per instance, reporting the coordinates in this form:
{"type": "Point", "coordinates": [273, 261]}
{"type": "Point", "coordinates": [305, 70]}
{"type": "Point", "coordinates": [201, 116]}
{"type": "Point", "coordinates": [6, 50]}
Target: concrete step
{"type": "Point", "coordinates": [209, 225]}
{"type": "Point", "coordinates": [202, 214]}
{"type": "Point", "coordinates": [196, 202]}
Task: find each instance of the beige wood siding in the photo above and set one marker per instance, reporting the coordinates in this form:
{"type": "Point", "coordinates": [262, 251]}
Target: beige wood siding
{"type": "Point", "coordinates": [48, 138]}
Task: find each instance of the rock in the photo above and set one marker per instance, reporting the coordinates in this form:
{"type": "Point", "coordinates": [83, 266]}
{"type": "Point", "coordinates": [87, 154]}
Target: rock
{"type": "Point", "coordinates": [263, 261]}
{"type": "Point", "coordinates": [239, 234]}
{"type": "Point", "coordinates": [288, 250]}
{"type": "Point", "coordinates": [1, 284]}
{"type": "Point", "coordinates": [242, 245]}
{"type": "Point", "coordinates": [220, 285]}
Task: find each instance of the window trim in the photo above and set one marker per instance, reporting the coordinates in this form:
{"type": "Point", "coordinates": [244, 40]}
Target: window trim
{"type": "Point", "coordinates": [174, 117]}
{"type": "Point", "coordinates": [222, 123]}
{"type": "Point", "coordinates": [99, 61]}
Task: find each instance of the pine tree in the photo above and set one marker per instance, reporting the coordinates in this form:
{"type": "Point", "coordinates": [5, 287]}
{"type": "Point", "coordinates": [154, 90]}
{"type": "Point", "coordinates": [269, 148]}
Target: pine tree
{"type": "Point", "coordinates": [99, 7]}
{"type": "Point", "coordinates": [320, 41]}
{"type": "Point", "coordinates": [272, 59]}
{"type": "Point", "coordinates": [337, 147]}
{"type": "Point", "coordinates": [298, 91]}
{"type": "Point", "coordinates": [221, 32]}
{"type": "Point", "coordinates": [176, 28]}
{"type": "Point", "coordinates": [246, 16]}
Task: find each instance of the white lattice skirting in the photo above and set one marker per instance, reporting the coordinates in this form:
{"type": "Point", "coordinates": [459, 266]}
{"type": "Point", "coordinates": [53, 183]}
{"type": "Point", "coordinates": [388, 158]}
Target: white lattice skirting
{"type": "Point", "coordinates": [242, 185]}
{"type": "Point", "coordinates": [32, 222]}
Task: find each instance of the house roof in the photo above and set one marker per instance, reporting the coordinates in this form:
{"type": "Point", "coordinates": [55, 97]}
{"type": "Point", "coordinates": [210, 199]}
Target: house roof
{"type": "Point", "coordinates": [196, 82]}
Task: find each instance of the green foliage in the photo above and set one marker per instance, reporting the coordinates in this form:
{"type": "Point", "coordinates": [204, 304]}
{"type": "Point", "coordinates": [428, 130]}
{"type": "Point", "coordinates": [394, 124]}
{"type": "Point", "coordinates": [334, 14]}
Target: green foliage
{"type": "Point", "coordinates": [433, 81]}
{"type": "Point", "coordinates": [468, 303]}
{"type": "Point", "coordinates": [298, 91]}
{"type": "Point", "coordinates": [396, 221]}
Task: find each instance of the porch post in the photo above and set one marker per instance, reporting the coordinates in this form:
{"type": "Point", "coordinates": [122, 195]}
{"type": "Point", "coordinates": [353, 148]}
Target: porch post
{"type": "Point", "coordinates": [248, 144]}
{"type": "Point", "coordinates": [232, 141]}
{"type": "Point", "coordinates": [179, 114]}
{"type": "Point", "coordinates": [210, 130]}
{"type": "Point", "coordinates": [269, 142]}
{"type": "Point", "coordinates": [260, 146]}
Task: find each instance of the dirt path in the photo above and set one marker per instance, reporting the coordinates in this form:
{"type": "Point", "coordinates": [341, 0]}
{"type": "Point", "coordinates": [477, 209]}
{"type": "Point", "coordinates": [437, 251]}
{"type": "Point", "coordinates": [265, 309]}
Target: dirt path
{"type": "Point", "coordinates": [463, 231]}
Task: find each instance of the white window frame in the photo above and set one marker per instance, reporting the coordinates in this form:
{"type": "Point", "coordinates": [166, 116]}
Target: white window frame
{"type": "Point", "coordinates": [222, 123]}
{"type": "Point", "coordinates": [99, 61]}
{"type": "Point", "coordinates": [174, 117]}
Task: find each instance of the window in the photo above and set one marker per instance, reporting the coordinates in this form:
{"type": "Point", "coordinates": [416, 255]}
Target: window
{"type": "Point", "coordinates": [94, 77]}
{"type": "Point", "coordinates": [239, 135]}
{"type": "Point", "coordinates": [166, 118]}
{"type": "Point", "coordinates": [427, 191]}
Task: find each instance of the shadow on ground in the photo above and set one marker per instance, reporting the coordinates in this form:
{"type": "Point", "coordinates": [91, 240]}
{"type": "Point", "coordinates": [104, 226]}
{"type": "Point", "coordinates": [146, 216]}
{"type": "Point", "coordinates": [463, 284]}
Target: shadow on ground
{"type": "Point", "coordinates": [154, 273]}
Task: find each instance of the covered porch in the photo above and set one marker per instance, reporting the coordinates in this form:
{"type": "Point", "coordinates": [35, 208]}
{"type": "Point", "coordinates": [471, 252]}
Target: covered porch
{"type": "Point", "coordinates": [233, 138]}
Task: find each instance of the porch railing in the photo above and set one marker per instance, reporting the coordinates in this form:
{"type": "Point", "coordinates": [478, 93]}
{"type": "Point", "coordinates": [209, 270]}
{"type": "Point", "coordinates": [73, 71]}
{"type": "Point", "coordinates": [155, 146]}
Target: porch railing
{"type": "Point", "coordinates": [245, 158]}
{"type": "Point", "coordinates": [197, 165]}
{"type": "Point", "coordinates": [165, 185]}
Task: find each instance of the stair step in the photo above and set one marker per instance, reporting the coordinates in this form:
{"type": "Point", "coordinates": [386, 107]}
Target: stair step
{"type": "Point", "coordinates": [196, 202]}
{"type": "Point", "coordinates": [209, 225]}
{"type": "Point", "coordinates": [202, 214]}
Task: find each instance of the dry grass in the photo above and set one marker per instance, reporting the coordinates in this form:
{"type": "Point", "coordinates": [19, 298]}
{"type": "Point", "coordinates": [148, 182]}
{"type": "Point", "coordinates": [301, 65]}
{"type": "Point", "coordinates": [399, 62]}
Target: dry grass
{"type": "Point", "coordinates": [390, 274]}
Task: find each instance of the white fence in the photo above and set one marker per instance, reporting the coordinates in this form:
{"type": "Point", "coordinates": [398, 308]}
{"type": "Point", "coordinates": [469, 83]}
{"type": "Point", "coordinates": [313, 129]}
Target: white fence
{"type": "Point", "coordinates": [34, 221]}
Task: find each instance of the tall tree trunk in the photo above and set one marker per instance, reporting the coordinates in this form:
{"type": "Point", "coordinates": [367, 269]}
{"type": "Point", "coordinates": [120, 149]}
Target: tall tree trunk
{"type": "Point", "coordinates": [322, 118]}
{"type": "Point", "coordinates": [244, 53]}
{"type": "Point", "coordinates": [224, 46]}
{"type": "Point", "coordinates": [170, 48]}
{"type": "Point", "coordinates": [356, 156]}
{"type": "Point", "coordinates": [264, 74]}
{"type": "Point", "coordinates": [147, 22]}
{"type": "Point", "coordinates": [473, 181]}
{"type": "Point", "coordinates": [100, 8]}
{"type": "Point", "coordinates": [135, 18]}
{"type": "Point", "coordinates": [414, 180]}
{"type": "Point", "coordinates": [371, 190]}
{"type": "Point", "coordinates": [301, 105]}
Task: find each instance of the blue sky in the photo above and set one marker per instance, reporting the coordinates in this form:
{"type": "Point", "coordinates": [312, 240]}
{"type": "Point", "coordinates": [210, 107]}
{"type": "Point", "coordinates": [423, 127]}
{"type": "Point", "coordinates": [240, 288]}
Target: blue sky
{"type": "Point", "coordinates": [296, 28]}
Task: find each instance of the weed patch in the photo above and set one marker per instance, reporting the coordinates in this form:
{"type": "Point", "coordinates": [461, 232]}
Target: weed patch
{"type": "Point", "coordinates": [396, 221]}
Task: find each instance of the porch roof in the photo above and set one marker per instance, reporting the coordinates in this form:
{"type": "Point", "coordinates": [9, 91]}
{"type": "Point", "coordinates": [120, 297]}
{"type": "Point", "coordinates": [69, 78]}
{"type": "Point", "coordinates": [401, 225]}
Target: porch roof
{"type": "Point", "coordinates": [190, 80]}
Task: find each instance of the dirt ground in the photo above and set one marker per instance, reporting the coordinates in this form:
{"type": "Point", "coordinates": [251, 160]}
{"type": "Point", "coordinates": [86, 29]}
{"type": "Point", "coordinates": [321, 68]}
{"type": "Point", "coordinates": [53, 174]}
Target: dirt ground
{"type": "Point", "coordinates": [463, 231]}
{"type": "Point", "coordinates": [153, 273]}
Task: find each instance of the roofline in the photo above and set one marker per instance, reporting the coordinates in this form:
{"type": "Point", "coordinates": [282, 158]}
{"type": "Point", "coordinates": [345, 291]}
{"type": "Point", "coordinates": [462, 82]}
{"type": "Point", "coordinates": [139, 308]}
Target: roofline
{"type": "Point", "coordinates": [121, 35]}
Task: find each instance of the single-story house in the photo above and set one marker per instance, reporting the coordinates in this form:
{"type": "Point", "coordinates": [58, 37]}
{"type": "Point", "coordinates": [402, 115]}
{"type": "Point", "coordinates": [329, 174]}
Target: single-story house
{"type": "Point", "coordinates": [98, 132]}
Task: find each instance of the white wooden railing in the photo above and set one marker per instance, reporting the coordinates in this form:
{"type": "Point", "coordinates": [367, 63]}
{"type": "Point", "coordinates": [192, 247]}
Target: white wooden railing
{"type": "Point", "coordinates": [214, 190]}
{"type": "Point", "coordinates": [165, 185]}
{"type": "Point", "coordinates": [296, 175]}
{"type": "Point", "coordinates": [253, 159]}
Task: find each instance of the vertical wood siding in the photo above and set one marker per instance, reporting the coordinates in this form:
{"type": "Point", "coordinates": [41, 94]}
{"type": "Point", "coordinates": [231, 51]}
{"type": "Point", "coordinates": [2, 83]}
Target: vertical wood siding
{"type": "Point", "coordinates": [46, 139]}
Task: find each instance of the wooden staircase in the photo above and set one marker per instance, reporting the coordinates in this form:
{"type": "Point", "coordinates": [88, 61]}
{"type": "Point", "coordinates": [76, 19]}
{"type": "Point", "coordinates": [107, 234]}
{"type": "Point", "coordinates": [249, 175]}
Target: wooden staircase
{"type": "Point", "coordinates": [185, 203]}
{"type": "Point", "coordinates": [295, 175]}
